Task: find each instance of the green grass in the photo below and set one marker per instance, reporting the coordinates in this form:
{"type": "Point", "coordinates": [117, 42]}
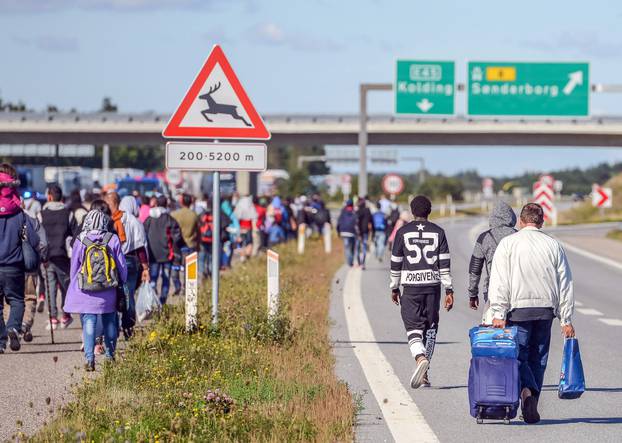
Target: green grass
{"type": "Point", "coordinates": [586, 213]}
{"type": "Point", "coordinates": [615, 234]}
{"type": "Point", "coordinates": [278, 374]}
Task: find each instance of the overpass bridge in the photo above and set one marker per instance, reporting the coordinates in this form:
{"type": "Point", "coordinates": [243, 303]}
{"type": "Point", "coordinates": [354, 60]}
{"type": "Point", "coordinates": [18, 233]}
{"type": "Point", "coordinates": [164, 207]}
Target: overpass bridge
{"type": "Point", "coordinates": [146, 128]}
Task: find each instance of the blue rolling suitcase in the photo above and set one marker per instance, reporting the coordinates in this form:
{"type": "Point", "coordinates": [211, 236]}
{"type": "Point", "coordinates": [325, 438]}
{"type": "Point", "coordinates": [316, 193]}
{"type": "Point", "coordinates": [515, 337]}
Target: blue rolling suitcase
{"type": "Point", "coordinates": [494, 382]}
{"type": "Point", "coordinates": [494, 388]}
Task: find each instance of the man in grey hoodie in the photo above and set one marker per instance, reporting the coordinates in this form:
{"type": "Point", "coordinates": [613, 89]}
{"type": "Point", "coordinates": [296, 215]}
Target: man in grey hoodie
{"type": "Point", "coordinates": [502, 222]}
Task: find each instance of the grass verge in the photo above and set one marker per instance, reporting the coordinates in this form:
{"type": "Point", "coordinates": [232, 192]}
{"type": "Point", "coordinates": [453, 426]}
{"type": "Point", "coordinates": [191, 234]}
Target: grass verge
{"type": "Point", "coordinates": [586, 213]}
{"type": "Point", "coordinates": [247, 380]}
{"type": "Point", "coordinates": [615, 234]}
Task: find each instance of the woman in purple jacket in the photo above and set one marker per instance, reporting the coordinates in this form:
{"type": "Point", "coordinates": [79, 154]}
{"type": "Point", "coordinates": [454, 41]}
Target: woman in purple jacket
{"type": "Point", "coordinates": [89, 304]}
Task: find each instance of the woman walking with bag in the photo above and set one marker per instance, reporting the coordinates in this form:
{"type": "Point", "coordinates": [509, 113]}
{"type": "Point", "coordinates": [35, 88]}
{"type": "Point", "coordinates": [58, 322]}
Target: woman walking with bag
{"type": "Point", "coordinates": [97, 268]}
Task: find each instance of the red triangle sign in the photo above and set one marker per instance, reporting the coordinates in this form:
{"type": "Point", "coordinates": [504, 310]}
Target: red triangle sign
{"type": "Point", "coordinates": [216, 106]}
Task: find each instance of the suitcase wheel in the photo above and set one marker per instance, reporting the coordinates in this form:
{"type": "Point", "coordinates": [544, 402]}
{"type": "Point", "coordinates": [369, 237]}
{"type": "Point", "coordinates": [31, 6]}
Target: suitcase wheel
{"type": "Point", "coordinates": [506, 419]}
{"type": "Point", "coordinates": [479, 418]}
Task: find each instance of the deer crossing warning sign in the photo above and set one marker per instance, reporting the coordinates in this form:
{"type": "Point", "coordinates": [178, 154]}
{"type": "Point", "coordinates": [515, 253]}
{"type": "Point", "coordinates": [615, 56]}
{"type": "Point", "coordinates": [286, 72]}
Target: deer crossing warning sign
{"type": "Point", "coordinates": [216, 106]}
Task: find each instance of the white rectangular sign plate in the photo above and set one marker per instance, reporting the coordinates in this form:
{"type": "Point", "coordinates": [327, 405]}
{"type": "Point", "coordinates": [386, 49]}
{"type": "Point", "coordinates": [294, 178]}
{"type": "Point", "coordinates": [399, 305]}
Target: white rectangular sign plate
{"type": "Point", "coordinates": [198, 156]}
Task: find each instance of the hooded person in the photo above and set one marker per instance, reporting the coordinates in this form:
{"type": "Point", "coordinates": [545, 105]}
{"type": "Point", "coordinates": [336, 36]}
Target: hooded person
{"type": "Point", "coordinates": [502, 222]}
{"type": "Point", "coordinates": [14, 223]}
{"type": "Point", "coordinates": [88, 302]}
{"type": "Point", "coordinates": [135, 251]}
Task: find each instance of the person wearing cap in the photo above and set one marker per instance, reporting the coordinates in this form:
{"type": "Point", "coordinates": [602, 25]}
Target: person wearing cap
{"type": "Point", "coordinates": [420, 262]}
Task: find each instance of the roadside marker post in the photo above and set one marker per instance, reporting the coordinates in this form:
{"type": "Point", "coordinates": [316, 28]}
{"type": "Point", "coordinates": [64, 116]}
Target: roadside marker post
{"type": "Point", "coordinates": [602, 198]}
{"type": "Point", "coordinates": [327, 233]}
{"type": "Point", "coordinates": [191, 291]}
{"type": "Point", "coordinates": [302, 237]}
{"type": "Point", "coordinates": [544, 195]}
{"type": "Point", "coordinates": [273, 283]}
{"type": "Point", "coordinates": [215, 107]}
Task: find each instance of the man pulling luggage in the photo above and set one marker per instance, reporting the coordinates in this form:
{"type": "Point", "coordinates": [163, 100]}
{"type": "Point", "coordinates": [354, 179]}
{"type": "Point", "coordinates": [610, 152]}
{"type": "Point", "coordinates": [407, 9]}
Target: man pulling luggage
{"type": "Point", "coordinates": [530, 285]}
{"type": "Point", "coordinates": [420, 262]}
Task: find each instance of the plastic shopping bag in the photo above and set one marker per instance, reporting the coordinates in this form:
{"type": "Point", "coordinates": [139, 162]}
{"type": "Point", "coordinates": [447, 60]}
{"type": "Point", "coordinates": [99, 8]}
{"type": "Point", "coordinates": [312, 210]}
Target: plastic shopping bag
{"type": "Point", "coordinates": [147, 302]}
{"type": "Point", "coordinates": [572, 379]}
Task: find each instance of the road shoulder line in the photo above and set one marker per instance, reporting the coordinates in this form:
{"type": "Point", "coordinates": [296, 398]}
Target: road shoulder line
{"type": "Point", "coordinates": [403, 417]}
{"type": "Point", "coordinates": [590, 255]}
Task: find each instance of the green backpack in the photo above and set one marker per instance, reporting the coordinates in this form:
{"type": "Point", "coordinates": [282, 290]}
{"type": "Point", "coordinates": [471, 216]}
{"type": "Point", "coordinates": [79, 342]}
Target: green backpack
{"type": "Point", "coordinates": [99, 269]}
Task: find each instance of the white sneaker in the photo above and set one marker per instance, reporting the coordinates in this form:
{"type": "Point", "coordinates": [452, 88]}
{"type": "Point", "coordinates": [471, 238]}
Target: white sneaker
{"type": "Point", "coordinates": [419, 373]}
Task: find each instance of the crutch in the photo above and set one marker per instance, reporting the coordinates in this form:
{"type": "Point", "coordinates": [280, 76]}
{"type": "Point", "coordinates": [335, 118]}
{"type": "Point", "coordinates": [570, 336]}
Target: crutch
{"type": "Point", "coordinates": [48, 295]}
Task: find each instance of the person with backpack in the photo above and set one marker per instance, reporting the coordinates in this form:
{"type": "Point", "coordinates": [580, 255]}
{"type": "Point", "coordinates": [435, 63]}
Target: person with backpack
{"type": "Point", "coordinates": [502, 222]}
{"type": "Point", "coordinates": [60, 226]}
{"type": "Point", "coordinates": [363, 229]}
{"type": "Point", "coordinates": [346, 228]}
{"type": "Point", "coordinates": [206, 231]}
{"type": "Point", "coordinates": [98, 269]}
{"type": "Point", "coordinates": [16, 227]}
{"type": "Point", "coordinates": [163, 240]}
{"type": "Point", "coordinates": [379, 224]}
{"type": "Point", "coordinates": [321, 216]}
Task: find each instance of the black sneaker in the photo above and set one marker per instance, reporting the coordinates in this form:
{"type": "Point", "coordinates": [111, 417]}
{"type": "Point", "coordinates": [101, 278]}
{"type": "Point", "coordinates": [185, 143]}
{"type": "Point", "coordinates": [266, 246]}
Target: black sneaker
{"type": "Point", "coordinates": [425, 383]}
{"type": "Point", "coordinates": [14, 343]}
{"type": "Point", "coordinates": [27, 334]}
{"type": "Point", "coordinates": [89, 366]}
{"type": "Point", "coordinates": [530, 410]}
{"type": "Point", "coordinates": [41, 304]}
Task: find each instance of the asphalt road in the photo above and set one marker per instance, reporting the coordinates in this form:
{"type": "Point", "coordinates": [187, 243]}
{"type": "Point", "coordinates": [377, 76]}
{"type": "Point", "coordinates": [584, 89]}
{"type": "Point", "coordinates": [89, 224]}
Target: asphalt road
{"type": "Point", "coordinates": [37, 379]}
{"type": "Point", "coordinates": [597, 416]}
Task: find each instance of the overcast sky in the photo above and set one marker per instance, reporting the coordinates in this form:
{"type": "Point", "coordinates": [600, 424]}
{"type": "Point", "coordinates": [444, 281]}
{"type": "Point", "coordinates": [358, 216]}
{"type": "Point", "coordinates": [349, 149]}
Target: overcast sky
{"type": "Point", "coordinates": [296, 56]}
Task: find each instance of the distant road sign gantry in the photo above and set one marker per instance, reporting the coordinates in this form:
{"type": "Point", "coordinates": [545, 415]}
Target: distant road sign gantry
{"type": "Point", "coordinates": [424, 87]}
{"type": "Point", "coordinates": [528, 89]}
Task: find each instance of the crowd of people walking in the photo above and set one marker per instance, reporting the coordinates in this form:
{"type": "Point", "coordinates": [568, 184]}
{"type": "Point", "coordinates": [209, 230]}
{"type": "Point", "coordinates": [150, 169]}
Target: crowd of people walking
{"type": "Point", "coordinates": [93, 251]}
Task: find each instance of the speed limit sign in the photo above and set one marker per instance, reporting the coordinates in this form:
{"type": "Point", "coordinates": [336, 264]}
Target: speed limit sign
{"type": "Point", "coordinates": [392, 184]}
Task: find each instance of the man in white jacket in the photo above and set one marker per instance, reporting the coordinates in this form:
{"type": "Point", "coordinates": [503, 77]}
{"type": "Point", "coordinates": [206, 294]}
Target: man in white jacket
{"type": "Point", "coordinates": [530, 285]}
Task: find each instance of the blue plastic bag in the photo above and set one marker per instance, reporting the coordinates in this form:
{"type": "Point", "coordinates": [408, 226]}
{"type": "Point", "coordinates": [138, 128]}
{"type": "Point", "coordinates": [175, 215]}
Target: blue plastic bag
{"type": "Point", "coordinates": [571, 379]}
{"type": "Point", "coordinates": [494, 342]}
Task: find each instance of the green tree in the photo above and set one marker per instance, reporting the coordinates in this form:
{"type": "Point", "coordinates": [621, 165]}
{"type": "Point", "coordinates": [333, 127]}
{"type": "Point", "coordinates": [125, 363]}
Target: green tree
{"type": "Point", "coordinates": [108, 106]}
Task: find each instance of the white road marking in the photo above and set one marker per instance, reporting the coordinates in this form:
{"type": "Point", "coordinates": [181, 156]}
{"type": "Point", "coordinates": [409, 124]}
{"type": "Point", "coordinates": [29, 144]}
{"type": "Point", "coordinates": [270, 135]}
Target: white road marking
{"type": "Point", "coordinates": [578, 303]}
{"type": "Point", "coordinates": [598, 258]}
{"type": "Point", "coordinates": [611, 321]}
{"type": "Point", "coordinates": [589, 311]}
{"type": "Point", "coordinates": [400, 412]}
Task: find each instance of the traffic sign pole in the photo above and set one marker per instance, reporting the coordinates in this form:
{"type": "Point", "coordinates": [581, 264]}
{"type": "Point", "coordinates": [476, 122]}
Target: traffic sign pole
{"type": "Point", "coordinates": [215, 246]}
{"type": "Point", "coordinates": [363, 89]}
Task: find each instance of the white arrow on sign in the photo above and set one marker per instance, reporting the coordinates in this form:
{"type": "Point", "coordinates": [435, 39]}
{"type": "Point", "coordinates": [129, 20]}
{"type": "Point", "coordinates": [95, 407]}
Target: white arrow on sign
{"type": "Point", "coordinates": [574, 79]}
{"type": "Point", "coordinates": [425, 105]}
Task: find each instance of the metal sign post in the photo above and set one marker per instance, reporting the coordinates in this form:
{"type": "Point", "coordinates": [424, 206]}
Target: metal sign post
{"type": "Point", "coordinates": [216, 107]}
{"type": "Point", "coordinates": [215, 247]}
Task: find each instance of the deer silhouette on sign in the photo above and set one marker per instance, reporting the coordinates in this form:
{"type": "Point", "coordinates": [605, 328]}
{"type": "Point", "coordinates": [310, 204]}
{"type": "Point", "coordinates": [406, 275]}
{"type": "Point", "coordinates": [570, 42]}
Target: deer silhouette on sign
{"type": "Point", "coordinates": [218, 108]}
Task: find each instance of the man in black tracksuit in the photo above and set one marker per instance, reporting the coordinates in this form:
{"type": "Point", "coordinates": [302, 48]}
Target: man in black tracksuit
{"type": "Point", "coordinates": [420, 262]}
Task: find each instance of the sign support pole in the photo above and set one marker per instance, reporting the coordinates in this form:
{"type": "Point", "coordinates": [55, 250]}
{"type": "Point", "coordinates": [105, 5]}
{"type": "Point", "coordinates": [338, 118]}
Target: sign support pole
{"type": "Point", "coordinates": [215, 247]}
{"type": "Point", "coordinates": [363, 88]}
